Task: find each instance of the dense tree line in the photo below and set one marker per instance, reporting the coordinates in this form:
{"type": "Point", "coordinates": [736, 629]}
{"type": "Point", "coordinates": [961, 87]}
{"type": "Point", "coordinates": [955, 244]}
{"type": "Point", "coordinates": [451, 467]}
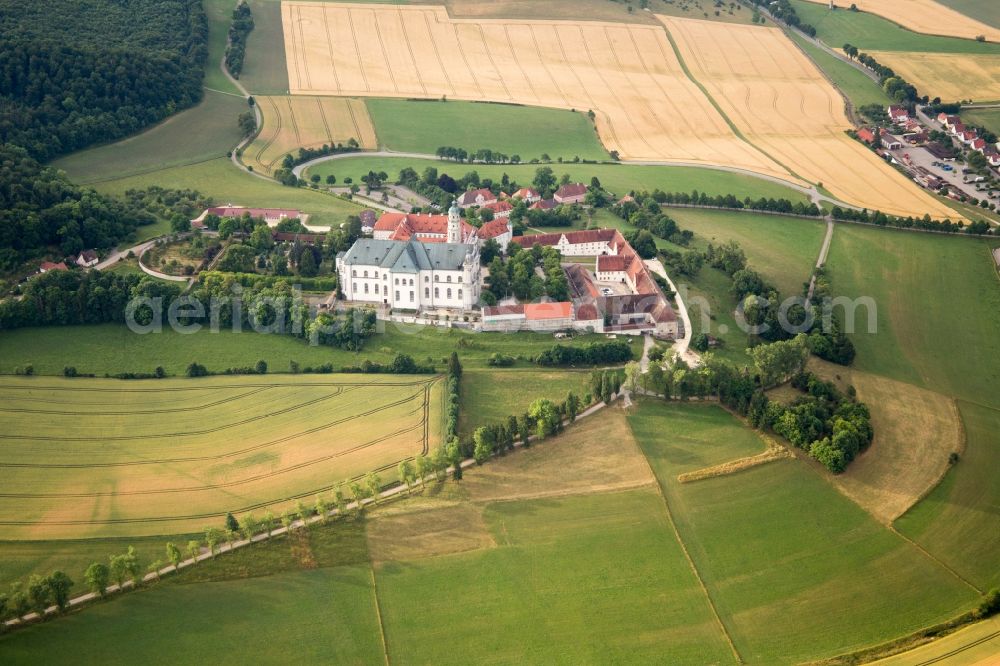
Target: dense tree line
{"type": "Point", "coordinates": [696, 198]}
{"type": "Point", "coordinates": [898, 88]}
{"type": "Point", "coordinates": [783, 11]}
{"type": "Point", "coordinates": [75, 73]}
{"type": "Point", "coordinates": [878, 218]}
{"type": "Point", "coordinates": [484, 155]}
{"type": "Point", "coordinates": [614, 352]}
{"type": "Point", "coordinates": [239, 31]}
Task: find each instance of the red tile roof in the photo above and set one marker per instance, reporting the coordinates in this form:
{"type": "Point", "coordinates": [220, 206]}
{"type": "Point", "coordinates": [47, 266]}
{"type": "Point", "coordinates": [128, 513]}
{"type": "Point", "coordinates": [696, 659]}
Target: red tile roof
{"type": "Point", "coordinates": [571, 190]}
{"type": "Point", "coordinates": [499, 206]}
{"type": "Point", "coordinates": [468, 198]}
{"type": "Point", "coordinates": [525, 193]}
{"type": "Point", "coordinates": [610, 262]}
{"type": "Point", "coordinates": [494, 228]}
{"type": "Point", "coordinates": [573, 237]}
{"type": "Point", "coordinates": [50, 266]}
{"type": "Point", "coordinates": [538, 311]}
{"type": "Point", "coordinates": [588, 312]}
{"type": "Point", "coordinates": [866, 135]}
{"type": "Point", "coordinates": [407, 225]}
{"type": "Point", "coordinates": [544, 204]}
{"type": "Point", "coordinates": [501, 310]}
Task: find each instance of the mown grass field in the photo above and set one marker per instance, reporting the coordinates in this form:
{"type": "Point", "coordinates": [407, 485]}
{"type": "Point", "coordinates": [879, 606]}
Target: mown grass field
{"type": "Point", "coordinates": [264, 70]}
{"type": "Point", "coordinates": [855, 85]}
{"type": "Point", "coordinates": [988, 118]}
{"type": "Point", "coordinates": [422, 127]}
{"type": "Point", "coordinates": [958, 521]}
{"type": "Point", "coordinates": [867, 31]}
{"type": "Point", "coordinates": [112, 349]}
{"type": "Point", "coordinates": [988, 13]}
{"type": "Point", "coordinates": [99, 458]}
{"type": "Point", "coordinates": [192, 137]}
{"type": "Point", "coordinates": [224, 183]}
{"type": "Point", "coordinates": [936, 299]}
{"type": "Point", "coordinates": [490, 395]}
{"type": "Point", "coordinates": [777, 539]}
{"type": "Point", "coordinates": [617, 178]}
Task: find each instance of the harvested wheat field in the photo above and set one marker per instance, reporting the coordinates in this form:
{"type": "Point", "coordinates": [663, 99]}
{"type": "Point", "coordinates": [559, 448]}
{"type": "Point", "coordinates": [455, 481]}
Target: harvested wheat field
{"type": "Point", "coordinates": [950, 76]}
{"type": "Point", "coordinates": [646, 108]}
{"type": "Point", "coordinates": [91, 457]}
{"type": "Point", "coordinates": [291, 123]}
{"type": "Point", "coordinates": [915, 431]}
{"type": "Point", "coordinates": [778, 99]}
{"type": "Point", "coordinates": [924, 16]}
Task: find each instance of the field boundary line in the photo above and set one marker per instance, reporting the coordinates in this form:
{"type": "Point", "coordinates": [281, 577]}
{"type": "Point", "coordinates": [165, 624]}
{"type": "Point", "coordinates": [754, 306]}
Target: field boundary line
{"type": "Point", "coordinates": [378, 613]}
{"type": "Point", "coordinates": [934, 558]}
{"type": "Point", "coordinates": [736, 130]}
{"type": "Point", "coordinates": [690, 560]}
{"type": "Point", "coordinates": [223, 92]}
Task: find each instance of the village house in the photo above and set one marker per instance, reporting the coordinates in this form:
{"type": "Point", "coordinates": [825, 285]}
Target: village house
{"type": "Point", "coordinates": [499, 208]}
{"type": "Point", "coordinates": [367, 221]}
{"type": "Point", "coordinates": [889, 141]}
{"type": "Point", "coordinates": [571, 193]}
{"type": "Point", "coordinates": [866, 135]}
{"type": "Point", "coordinates": [527, 194]}
{"type": "Point", "coordinates": [898, 114]}
{"type": "Point", "coordinates": [51, 266]}
{"type": "Point", "coordinates": [87, 259]}
{"type": "Point", "coordinates": [543, 204]}
{"type": "Point", "coordinates": [499, 230]}
{"type": "Point", "coordinates": [479, 197]}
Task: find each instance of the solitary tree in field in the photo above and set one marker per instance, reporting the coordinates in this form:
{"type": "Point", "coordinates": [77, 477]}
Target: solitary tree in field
{"type": "Point", "coordinates": [174, 554]}
{"type": "Point", "coordinates": [231, 524]}
{"type": "Point", "coordinates": [97, 577]}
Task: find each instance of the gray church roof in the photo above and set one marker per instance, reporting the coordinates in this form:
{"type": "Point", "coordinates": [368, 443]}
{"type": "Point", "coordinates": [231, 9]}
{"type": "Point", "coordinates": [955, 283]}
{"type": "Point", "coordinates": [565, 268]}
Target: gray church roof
{"type": "Point", "coordinates": [406, 256]}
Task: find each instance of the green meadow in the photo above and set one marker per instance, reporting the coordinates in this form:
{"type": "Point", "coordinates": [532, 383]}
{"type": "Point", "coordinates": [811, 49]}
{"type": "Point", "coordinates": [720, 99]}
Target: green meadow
{"type": "Point", "coordinates": [424, 126]}
{"type": "Point", "coordinates": [264, 68]}
{"type": "Point", "coordinates": [988, 118]}
{"type": "Point", "coordinates": [782, 553]}
{"type": "Point", "coordinates": [987, 12]}
{"type": "Point", "coordinates": [491, 395]}
{"type": "Point", "coordinates": [858, 87]}
{"type": "Point", "coordinates": [868, 31]}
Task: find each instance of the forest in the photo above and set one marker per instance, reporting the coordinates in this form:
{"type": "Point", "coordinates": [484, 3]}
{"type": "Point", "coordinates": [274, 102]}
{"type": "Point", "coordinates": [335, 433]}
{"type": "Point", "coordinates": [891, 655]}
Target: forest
{"type": "Point", "coordinates": [74, 73]}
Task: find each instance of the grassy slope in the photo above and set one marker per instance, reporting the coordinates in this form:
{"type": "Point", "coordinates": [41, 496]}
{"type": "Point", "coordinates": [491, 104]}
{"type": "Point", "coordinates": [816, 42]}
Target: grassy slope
{"type": "Point", "coordinates": [867, 31]}
{"type": "Point", "coordinates": [859, 88]}
{"type": "Point", "coordinates": [264, 69]}
{"type": "Point", "coordinates": [588, 579]}
{"type": "Point", "coordinates": [958, 510]}
{"type": "Point", "coordinates": [617, 178]}
{"type": "Point", "coordinates": [988, 118]}
{"type": "Point", "coordinates": [987, 12]}
{"type": "Point", "coordinates": [220, 15]}
{"type": "Point", "coordinates": [221, 181]}
{"type": "Point", "coordinates": [422, 127]}
{"type": "Point", "coordinates": [490, 396]}
{"type": "Point", "coordinates": [110, 348]}
{"type": "Point", "coordinates": [937, 299]}
{"type": "Point", "coordinates": [766, 554]}
{"type": "Point", "coordinates": [206, 132]}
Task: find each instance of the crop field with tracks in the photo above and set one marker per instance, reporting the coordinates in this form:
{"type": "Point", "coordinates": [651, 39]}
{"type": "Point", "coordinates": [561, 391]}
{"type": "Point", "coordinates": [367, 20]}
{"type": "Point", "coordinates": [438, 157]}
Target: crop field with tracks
{"type": "Point", "coordinates": [778, 99]}
{"type": "Point", "coordinates": [91, 457]}
{"type": "Point", "coordinates": [950, 76]}
{"type": "Point", "coordinates": [926, 16]}
{"type": "Point", "coordinates": [291, 123]}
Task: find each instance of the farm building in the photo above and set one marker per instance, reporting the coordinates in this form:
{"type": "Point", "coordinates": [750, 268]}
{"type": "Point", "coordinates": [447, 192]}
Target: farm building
{"type": "Point", "coordinates": [866, 135]}
{"type": "Point", "coordinates": [272, 216]}
{"type": "Point", "coordinates": [87, 259]}
{"type": "Point", "coordinates": [479, 197]}
{"type": "Point", "coordinates": [51, 266]}
{"type": "Point", "coordinates": [543, 204]}
{"type": "Point", "coordinates": [570, 193]}
{"type": "Point", "coordinates": [898, 114]}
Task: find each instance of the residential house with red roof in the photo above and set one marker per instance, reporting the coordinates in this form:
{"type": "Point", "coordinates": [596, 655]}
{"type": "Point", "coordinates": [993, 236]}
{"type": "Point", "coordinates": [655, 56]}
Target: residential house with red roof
{"type": "Point", "coordinates": [898, 114]}
{"type": "Point", "coordinates": [570, 193]}
{"type": "Point", "coordinates": [51, 266]}
{"type": "Point", "coordinates": [527, 194]}
{"type": "Point", "coordinates": [499, 208]}
{"type": "Point", "coordinates": [87, 259]}
{"type": "Point", "coordinates": [479, 197]}
{"type": "Point", "coordinates": [499, 230]}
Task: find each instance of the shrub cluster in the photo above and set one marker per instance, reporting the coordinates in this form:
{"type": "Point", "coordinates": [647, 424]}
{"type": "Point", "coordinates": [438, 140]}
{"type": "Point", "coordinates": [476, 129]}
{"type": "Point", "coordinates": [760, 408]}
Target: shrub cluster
{"type": "Point", "coordinates": [452, 396]}
{"type": "Point", "coordinates": [594, 353]}
{"type": "Point", "coordinates": [401, 364]}
{"type": "Point", "coordinates": [239, 30]}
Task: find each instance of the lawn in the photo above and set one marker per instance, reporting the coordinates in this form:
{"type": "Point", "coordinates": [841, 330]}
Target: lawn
{"type": "Point", "coordinates": [871, 32]}
{"type": "Point", "coordinates": [858, 88]}
{"type": "Point", "coordinates": [423, 127]}
{"type": "Point", "coordinates": [318, 616]}
{"type": "Point", "coordinates": [988, 118]}
{"type": "Point", "coordinates": [111, 348]}
{"type": "Point", "coordinates": [797, 571]}
{"type": "Point", "coordinates": [192, 137]}
{"type": "Point", "coordinates": [936, 299]}
{"type": "Point", "coordinates": [958, 522]}
{"type": "Point", "coordinates": [92, 458]}
{"type": "Point", "coordinates": [490, 396]}
{"type": "Point", "coordinates": [987, 12]}
{"type": "Point", "coordinates": [264, 69]}
{"type": "Point", "coordinates": [226, 184]}
{"type": "Point", "coordinates": [618, 178]}
{"type": "Point", "coordinates": [782, 249]}
{"type": "Point", "coordinates": [586, 579]}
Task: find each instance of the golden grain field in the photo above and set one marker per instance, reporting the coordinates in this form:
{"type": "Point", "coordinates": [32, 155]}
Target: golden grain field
{"type": "Point", "coordinates": [924, 16]}
{"type": "Point", "coordinates": [646, 108]}
{"type": "Point", "coordinates": [950, 76]}
{"type": "Point", "coordinates": [90, 457]}
{"type": "Point", "coordinates": [778, 99]}
{"type": "Point", "coordinates": [293, 122]}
